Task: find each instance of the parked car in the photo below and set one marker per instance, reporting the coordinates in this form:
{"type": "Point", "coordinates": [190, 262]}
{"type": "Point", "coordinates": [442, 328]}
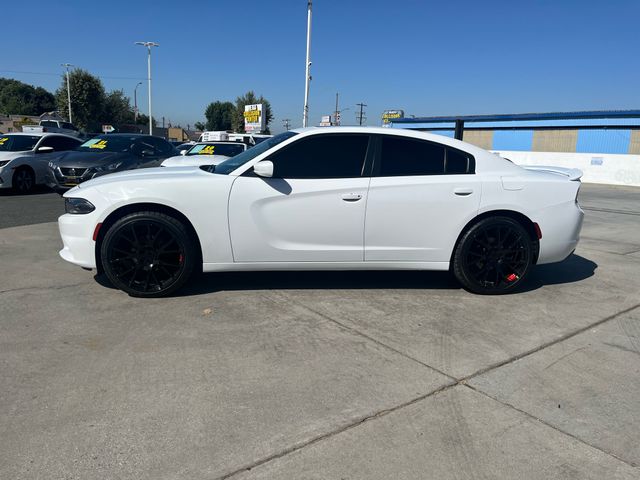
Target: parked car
{"type": "Point", "coordinates": [105, 154]}
{"type": "Point", "coordinates": [205, 153]}
{"type": "Point", "coordinates": [298, 201]}
{"type": "Point", "coordinates": [24, 157]}
{"type": "Point", "coordinates": [52, 126]}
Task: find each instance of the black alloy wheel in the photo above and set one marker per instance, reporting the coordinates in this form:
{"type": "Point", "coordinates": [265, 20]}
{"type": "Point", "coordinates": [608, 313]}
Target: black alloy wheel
{"type": "Point", "coordinates": [493, 256]}
{"type": "Point", "coordinates": [148, 254]}
{"type": "Point", "coordinates": [23, 180]}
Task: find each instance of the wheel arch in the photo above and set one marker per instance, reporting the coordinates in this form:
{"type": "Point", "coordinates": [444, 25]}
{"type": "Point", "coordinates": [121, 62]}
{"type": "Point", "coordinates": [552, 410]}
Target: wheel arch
{"type": "Point", "coordinates": [117, 214]}
{"type": "Point", "coordinates": [521, 218]}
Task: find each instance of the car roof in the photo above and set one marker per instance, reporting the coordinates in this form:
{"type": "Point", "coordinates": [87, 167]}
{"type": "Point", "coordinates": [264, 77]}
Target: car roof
{"type": "Point", "coordinates": [400, 132]}
{"type": "Point", "coordinates": [42, 134]}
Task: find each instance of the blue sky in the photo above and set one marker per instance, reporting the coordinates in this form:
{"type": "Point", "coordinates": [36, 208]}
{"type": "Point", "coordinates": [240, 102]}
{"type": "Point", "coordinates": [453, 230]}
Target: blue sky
{"type": "Point", "coordinates": [426, 57]}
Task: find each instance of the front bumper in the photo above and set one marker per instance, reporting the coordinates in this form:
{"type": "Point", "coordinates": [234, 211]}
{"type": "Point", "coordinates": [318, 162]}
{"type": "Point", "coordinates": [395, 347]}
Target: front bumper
{"type": "Point", "coordinates": [62, 178]}
{"type": "Point", "coordinates": [6, 177]}
{"type": "Point", "coordinates": [77, 238]}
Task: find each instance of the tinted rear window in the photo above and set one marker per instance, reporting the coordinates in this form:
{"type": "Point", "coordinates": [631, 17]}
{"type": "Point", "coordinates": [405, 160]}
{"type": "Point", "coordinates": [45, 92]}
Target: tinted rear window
{"type": "Point", "coordinates": [407, 156]}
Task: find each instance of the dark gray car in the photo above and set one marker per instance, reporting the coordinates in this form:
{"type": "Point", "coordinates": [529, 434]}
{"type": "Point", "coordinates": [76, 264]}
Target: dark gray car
{"type": "Point", "coordinates": [107, 154]}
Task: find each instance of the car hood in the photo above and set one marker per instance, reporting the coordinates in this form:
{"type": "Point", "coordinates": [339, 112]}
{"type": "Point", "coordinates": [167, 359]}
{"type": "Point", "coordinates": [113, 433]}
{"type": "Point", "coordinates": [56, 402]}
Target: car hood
{"type": "Point", "coordinates": [12, 155]}
{"type": "Point", "coordinates": [143, 174]}
{"type": "Point", "coordinates": [193, 160]}
{"type": "Point", "coordinates": [74, 159]}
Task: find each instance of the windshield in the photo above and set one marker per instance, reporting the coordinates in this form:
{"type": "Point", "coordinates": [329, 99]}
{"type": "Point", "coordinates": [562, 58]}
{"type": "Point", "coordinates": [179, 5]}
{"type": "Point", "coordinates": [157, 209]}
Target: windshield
{"type": "Point", "coordinates": [231, 164]}
{"type": "Point", "coordinates": [17, 143]}
{"type": "Point", "coordinates": [108, 143]}
{"type": "Point", "coordinates": [226, 149]}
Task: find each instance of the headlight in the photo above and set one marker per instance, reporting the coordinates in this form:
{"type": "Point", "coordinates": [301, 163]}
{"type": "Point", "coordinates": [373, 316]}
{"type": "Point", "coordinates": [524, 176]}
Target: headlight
{"type": "Point", "coordinates": [108, 168]}
{"type": "Point", "coordinates": [78, 206]}
{"type": "Point", "coordinates": [4, 162]}
{"type": "Point", "coordinates": [53, 165]}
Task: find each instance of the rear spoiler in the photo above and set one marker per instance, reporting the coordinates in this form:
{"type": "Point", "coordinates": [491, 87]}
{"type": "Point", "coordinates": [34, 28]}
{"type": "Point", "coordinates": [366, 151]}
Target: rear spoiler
{"type": "Point", "coordinates": [571, 173]}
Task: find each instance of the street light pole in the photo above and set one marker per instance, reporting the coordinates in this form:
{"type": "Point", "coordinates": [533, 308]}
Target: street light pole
{"type": "Point", "coordinates": [67, 65]}
{"type": "Point", "coordinates": [135, 103]}
{"type": "Point", "coordinates": [149, 45]}
{"type": "Point", "coordinates": [305, 115]}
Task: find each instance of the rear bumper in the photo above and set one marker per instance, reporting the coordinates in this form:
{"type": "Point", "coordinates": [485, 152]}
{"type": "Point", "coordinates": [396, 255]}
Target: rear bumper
{"type": "Point", "coordinates": [561, 226]}
{"type": "Point", "coordinates": [76, 232]}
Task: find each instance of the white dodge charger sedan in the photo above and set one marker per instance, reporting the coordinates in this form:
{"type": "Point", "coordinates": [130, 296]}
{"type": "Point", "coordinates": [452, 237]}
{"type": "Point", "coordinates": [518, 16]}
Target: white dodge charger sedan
{"type": "Point", "coordinates": [342, 198]}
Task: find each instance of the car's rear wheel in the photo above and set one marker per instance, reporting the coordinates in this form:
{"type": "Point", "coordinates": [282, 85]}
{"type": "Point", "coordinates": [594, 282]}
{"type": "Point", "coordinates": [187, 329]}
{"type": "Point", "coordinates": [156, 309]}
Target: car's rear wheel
{"type": "Point", "coordinates": [23, 180]}
{"type": "Point", "coordinates": [493, 256]}
{"type": "Point", "coordinates": [148, 254]}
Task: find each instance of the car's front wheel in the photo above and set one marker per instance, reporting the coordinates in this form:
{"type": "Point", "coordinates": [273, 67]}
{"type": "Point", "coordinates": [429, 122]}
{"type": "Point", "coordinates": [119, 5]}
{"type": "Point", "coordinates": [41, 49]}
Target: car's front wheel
{"type": "Point", "coordinates": [23, 180]}
{"type": "Point", "coordinates": [493, 256]}
{"type": "Point", "coordinates": [148, 254]}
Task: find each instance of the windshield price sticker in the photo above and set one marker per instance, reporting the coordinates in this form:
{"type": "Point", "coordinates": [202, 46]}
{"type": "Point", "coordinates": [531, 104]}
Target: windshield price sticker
{"type": "Point", "coordinates": [202, 150]}
{"type": "Point", "coordinates": [3, 139]}
{"type": "Point", "coordinates": [95, 143]}
{"type": "Point", "coordinates": [99, 144]}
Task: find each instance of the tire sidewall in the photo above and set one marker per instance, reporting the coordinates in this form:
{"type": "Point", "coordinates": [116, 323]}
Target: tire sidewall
{"type": "Point", "coordinates": [31, 175]}
{"type": "Point", "coordinates": [174, 226]}
{"type": "Point", "coordinates": [459, 261]}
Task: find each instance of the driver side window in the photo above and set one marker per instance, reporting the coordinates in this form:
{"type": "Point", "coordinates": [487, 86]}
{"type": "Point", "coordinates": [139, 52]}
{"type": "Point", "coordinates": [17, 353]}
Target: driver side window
{"type": "Point", "coordinates": [322, 156]}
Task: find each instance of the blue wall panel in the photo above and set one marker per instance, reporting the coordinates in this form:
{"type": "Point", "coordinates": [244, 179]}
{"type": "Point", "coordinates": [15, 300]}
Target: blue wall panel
{"type": "Point", "coordinates": [603, 141]}
{"type": "Point", "coordinates": [446, 133]}
{"type": "Point", "coordinates": [521, 140]}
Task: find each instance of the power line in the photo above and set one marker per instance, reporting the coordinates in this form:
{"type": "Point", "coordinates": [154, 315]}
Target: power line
{"type": "Point", "coordinates": [58, 74]}
{"type": "Point", "coordinates": [360, 117]}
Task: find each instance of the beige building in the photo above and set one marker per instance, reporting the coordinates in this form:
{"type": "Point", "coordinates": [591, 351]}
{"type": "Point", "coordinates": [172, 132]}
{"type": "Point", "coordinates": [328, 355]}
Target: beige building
{"type": "Point", "coordinates": [13, 123]}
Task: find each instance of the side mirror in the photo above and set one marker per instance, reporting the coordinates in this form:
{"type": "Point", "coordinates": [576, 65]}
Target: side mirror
{"type": "Point", "coordinates": [263, 169]}
{"type": "Point", "coordinates": [183, 152]}
{"type": "Point", "coordinates": [44, 150]}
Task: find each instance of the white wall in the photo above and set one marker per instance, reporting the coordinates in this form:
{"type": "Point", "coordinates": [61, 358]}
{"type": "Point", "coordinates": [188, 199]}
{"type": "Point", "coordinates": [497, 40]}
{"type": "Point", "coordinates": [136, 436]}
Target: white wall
{"type": "Point", "coordinates": [597, 167]}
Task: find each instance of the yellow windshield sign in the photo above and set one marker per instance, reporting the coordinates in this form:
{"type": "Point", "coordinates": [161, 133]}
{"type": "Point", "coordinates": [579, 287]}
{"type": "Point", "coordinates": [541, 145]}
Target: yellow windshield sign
{"type": "Point", "coordinates": [100, 144]}
{"type": "Point", "coordinates": [207, 150]}
{"type": "Point", "coordinates": [3, 139]}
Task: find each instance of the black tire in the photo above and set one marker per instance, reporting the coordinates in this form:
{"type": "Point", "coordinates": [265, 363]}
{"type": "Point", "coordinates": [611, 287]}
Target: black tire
{"type": "Point", "coordinates": [23, 180]}
{"type": "Point", "coordinates": [494, 256]}
{"type": "Point", "coordinates": [148, 254]}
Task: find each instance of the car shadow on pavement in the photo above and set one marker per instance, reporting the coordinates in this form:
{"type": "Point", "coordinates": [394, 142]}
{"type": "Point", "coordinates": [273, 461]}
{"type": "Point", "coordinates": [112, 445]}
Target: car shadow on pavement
{"type": "Point", "coordinates": [37, 190]}
{"type": "Point", "coordinates": [573, 269]}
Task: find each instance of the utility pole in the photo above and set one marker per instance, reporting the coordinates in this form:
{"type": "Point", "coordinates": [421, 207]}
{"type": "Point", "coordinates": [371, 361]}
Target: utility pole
{"type": "Point", "coordinates": [149, 45]}
{"type": "Point", "coordinates": [305, 113]}
{"type": "Point", "coordinates": [287, 123]}
{"type": "Point", "coordinates": [67, 65]}
{"type": "Point", "coordinates": [135, 103]}
{"type": "Point", "coordinates": [336, 114]}
{"type": "Point", "coordinates": [360, 116]}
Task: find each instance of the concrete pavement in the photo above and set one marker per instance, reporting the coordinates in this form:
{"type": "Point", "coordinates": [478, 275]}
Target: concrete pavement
{"type": "Point", "coordinates": [325, 375]}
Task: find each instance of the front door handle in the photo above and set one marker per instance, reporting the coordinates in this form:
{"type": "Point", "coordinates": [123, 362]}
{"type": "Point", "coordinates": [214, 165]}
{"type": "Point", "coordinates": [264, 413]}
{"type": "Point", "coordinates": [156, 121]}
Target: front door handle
{"type": "Point", "coordinates": [463, 192]}
{"type": "Point", "coordinates": [351, 197]}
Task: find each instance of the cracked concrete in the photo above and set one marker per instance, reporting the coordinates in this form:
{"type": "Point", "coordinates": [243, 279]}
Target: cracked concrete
{"type": "Point", "coordinates": [324, 375]}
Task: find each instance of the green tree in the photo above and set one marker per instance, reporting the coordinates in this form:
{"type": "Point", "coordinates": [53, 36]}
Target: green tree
{"type": "Point", "coordinates": [88, 99]}
{"type": "Point", "coordinates": [199, 126]}
{"type": "Point", "coordinates": [219, 115]}
{"type": "Point", "coordinates": [17, 98]}
{"type": "Point", "coordinates": [144, 120]}
{"type": "Point", "coordinates": [117, 108]}
{"type": "Point", "coordinates": [250, 98]}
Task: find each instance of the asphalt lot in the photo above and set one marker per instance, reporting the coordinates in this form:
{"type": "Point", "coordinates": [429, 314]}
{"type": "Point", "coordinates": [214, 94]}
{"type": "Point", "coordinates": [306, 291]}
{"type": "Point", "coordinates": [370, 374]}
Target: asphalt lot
{"type": "Point", "coordinates": [369, 375]}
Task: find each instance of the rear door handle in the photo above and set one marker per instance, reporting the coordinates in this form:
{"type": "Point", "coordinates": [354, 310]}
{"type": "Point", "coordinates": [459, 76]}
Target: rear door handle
{"type": "Point", "coordinates": [463, 192]}
{"type": "Point", "coordinates": [351, 197]}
